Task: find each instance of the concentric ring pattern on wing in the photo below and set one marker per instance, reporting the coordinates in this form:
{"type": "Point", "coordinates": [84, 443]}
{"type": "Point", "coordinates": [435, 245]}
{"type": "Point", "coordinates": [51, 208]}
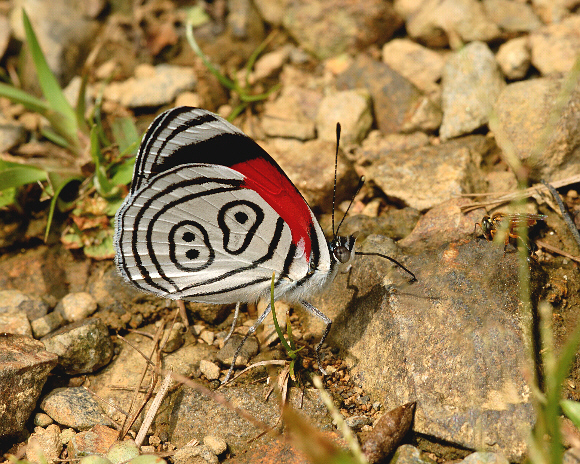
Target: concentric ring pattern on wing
{"type": "Point", "coordinates": [194, 233]}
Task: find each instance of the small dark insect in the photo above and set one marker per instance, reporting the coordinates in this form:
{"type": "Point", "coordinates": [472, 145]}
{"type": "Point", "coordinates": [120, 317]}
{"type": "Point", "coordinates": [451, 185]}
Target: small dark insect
{"type": "Point", "coordinates": [508, 222]}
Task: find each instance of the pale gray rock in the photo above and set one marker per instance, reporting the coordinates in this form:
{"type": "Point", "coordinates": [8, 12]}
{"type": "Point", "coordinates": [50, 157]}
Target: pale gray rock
{"type": "Point", "coordinates": [470, 86]}
{"type": "Point", "coordinates": [209, 369]}
{"type": "Point", "coordinates": [152, 86]}
{"type": "Point", "coordinates": [42, 420]}
{"type": "Point", "coordinates": [74, 407]}
{"type": "Point", "coordinates": [47, 324]}
{"type": "Point", "coordinates": [426, 176]}
{"type": "Point", "coordinates": [352, 109]}
{"type": "Point", "coordinates": [76, 306]}
{"type": "Point", "coordinates": [216, 444]}
{"type": "Point", "coordinates": [408, 454]}
{"type": "Point", "coordinates": [419, 64]}
{"type": "Point", "coordinates": [5, 33]}
{"type": "Point", "coordinates": [173, 338]}
{"type": "Point", "coordinates": [116, 382]}
{"type": "Point", "coordinates": [44, 444]}
{"type": "Point", "coordinates": [549, 145]}
{"type": "Point", "coordinates": [329, 28]}
{"type": "Point", "coordinates": [483, 457]}
{"type": "Point", "coordinates": [272, 10]}
{"type": "Point", "coordinates": [512, 16]}
{"type": "Point", "coordinates": [397, 104]}
{"type": "Point", "coordinates": [226, 355]}
{"type": "Point", "coordinates": [553, 11]}
{"type": "Point", "coordinates": [556, 47]}
{"type": "Point", "coordinates": [452, 341]}
{"type": "Point", "coordinates": [82, 347]}
{"type": "Point", "coordinates": [64, 32]}
{"type": "Point", "coordinates": [197, 454]}
{"type": "Point", "coordinates": [15, 323]}
{"type": "Point", "coordinates": [514, 58]}
{"type": "Point", "coordinates": [195, 415]}
{"type": "Point", "coordinates": [292, 114]}
{"type": "Point", "coordinates": [12, 301]}
{"type": "Point", "coordinates": [441, 22]}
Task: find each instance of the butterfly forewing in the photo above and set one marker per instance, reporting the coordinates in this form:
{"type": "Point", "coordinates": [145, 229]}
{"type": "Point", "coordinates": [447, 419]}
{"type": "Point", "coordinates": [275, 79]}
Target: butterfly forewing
{"type": "Point", "coordinates": [172, 136]}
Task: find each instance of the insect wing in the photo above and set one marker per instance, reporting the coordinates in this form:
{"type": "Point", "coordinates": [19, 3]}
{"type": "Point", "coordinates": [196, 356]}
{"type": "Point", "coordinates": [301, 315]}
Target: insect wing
{"type": "Point", "coordinates": [524, 219]}
{"type": "Point", "coordinates": [170, 139]}
{"type": "Point", "coordinates": [194, 232]}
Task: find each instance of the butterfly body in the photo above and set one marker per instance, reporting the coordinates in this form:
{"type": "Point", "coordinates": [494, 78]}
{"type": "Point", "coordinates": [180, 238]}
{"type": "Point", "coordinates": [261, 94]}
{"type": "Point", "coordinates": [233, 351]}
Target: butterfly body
{"type": "Point", "coordinates": [210, 216]}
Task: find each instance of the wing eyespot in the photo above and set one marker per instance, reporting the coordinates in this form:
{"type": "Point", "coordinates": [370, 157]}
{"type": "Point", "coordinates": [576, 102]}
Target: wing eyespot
{"type": "Point", "coordinates": [239, 220]}
{"type": "Point", "coordinates": [189, 247]}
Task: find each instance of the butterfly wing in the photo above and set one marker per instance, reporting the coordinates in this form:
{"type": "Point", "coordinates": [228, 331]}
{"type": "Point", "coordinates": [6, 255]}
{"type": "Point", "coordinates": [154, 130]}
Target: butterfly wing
{"type": "Point", "coordinates": [211, 215]}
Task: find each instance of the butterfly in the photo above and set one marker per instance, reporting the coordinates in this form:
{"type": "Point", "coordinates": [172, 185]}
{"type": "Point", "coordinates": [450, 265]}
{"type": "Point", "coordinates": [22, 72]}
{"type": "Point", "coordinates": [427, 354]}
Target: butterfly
{"type": "Point", "coordinates": [210, 216]}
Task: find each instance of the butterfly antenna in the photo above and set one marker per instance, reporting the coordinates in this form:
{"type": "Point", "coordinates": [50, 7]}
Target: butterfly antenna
{"type": "Point", "coordinates": [393, 260]}
{"type": "Point", "coordinates": [335, 171]}
{"type": "Point", "coordinates": [361, 182]}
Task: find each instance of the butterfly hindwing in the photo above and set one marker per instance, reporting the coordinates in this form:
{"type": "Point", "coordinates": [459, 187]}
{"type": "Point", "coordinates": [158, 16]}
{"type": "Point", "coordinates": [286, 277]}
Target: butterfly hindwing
{"type": "Point", "coordinates": [195, 233]}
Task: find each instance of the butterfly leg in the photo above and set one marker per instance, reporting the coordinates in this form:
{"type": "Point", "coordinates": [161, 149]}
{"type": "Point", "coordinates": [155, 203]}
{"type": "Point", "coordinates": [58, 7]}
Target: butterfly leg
{"type": "Point", "coordinates": [234, 323]}
{"type": "Point", "coordinates": [251, 331]}
{"type": "Point", "coordinates": [320, 315]}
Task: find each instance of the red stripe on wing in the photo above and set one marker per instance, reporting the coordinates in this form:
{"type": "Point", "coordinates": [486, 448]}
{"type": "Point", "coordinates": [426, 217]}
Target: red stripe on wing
{"type": "Point", "coordinates": [274, 187]}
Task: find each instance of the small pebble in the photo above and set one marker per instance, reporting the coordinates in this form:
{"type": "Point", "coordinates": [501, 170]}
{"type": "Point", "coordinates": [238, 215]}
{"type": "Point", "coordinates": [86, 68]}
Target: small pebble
{"type": "Point", "coordinates": [122, 451]}
{"type": "Point", "coordinates": [197, 329]}
{"type": "Point", "coordinates": [209, 369]}
{"type": "Point", "coordinates": [154, 440]}
{"type": "Point", "coordinates": [76, 306]}
{"type": "Point", "coordinates": [207, 336]}
{"type": "Point", "coordinates": [66, 435]}
{"type": "Point", "coordinates": [44, 445]}
{"type": "Point", "coordinates": [184, 455]}
{"type": "Point", "coordinates": [46, 324]}
{"type": "Point", "coordinates": [42, 420]}
{"type": "Point", "coordinates": [485, 457]}
{"type": "Point", "coordinates": [356, 422]}
{"type": "Point", "coordinates": [216, 444]}
{"type": "Point", "coordinates": [94, 459]}
{"type": "Point", "coordinates": [173, 338]}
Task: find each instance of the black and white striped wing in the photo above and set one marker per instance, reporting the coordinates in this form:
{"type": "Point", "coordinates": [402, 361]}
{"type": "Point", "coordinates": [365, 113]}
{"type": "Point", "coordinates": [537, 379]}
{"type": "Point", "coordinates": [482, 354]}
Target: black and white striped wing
{"type": "Point", "coordinates": [169, 140]}
{"type": "Point", "coordinates": [195, 233]}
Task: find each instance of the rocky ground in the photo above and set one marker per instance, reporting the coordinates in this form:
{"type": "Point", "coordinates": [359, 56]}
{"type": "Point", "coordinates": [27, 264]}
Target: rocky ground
{"type": "Point", "coordinates": [445, 107]}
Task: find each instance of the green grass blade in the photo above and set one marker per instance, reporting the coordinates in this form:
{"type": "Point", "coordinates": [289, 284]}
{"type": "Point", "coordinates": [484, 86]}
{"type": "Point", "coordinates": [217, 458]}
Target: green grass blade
{"type": "Point", "coordinates": [125, 134]}
{"type": "Point", "coordinates": [572, 411]}
{"type": "Point", "coordinates": [223, 80]}
{"type": "Point", "coordinates": [20, 175]}
{"type": "Point", "coordinates": [275, 319]}
{"type": "Point", "coordinates": [7, 197]}
{"type": "Point", "coordinates": [81, 107]}
{"type": "Point", "coordinates": [30, 102]}
{"type": "Point", "coordinates": [58, 182]}
{"type": "Point", "coordinates": [55, 137]}
{"type": "Point", "coordinates": [50, 86]}
{"type": "Point", "coordinates": [123, 173]}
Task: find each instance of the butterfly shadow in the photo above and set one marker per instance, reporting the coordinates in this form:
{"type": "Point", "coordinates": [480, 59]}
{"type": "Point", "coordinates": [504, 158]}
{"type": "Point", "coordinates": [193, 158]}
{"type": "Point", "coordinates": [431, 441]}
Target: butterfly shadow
{"type": "Point", "coordinates": [364, 301]}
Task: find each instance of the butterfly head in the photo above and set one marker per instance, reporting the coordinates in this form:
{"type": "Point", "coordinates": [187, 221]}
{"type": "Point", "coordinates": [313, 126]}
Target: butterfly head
{"type": "Point", "coordinates": [342, 249]}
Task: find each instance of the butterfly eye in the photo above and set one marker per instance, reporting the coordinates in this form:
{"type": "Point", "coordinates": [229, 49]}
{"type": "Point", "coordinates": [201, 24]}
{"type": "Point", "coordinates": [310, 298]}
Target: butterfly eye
{"type": "Point", "coordinates": [342, 254]}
